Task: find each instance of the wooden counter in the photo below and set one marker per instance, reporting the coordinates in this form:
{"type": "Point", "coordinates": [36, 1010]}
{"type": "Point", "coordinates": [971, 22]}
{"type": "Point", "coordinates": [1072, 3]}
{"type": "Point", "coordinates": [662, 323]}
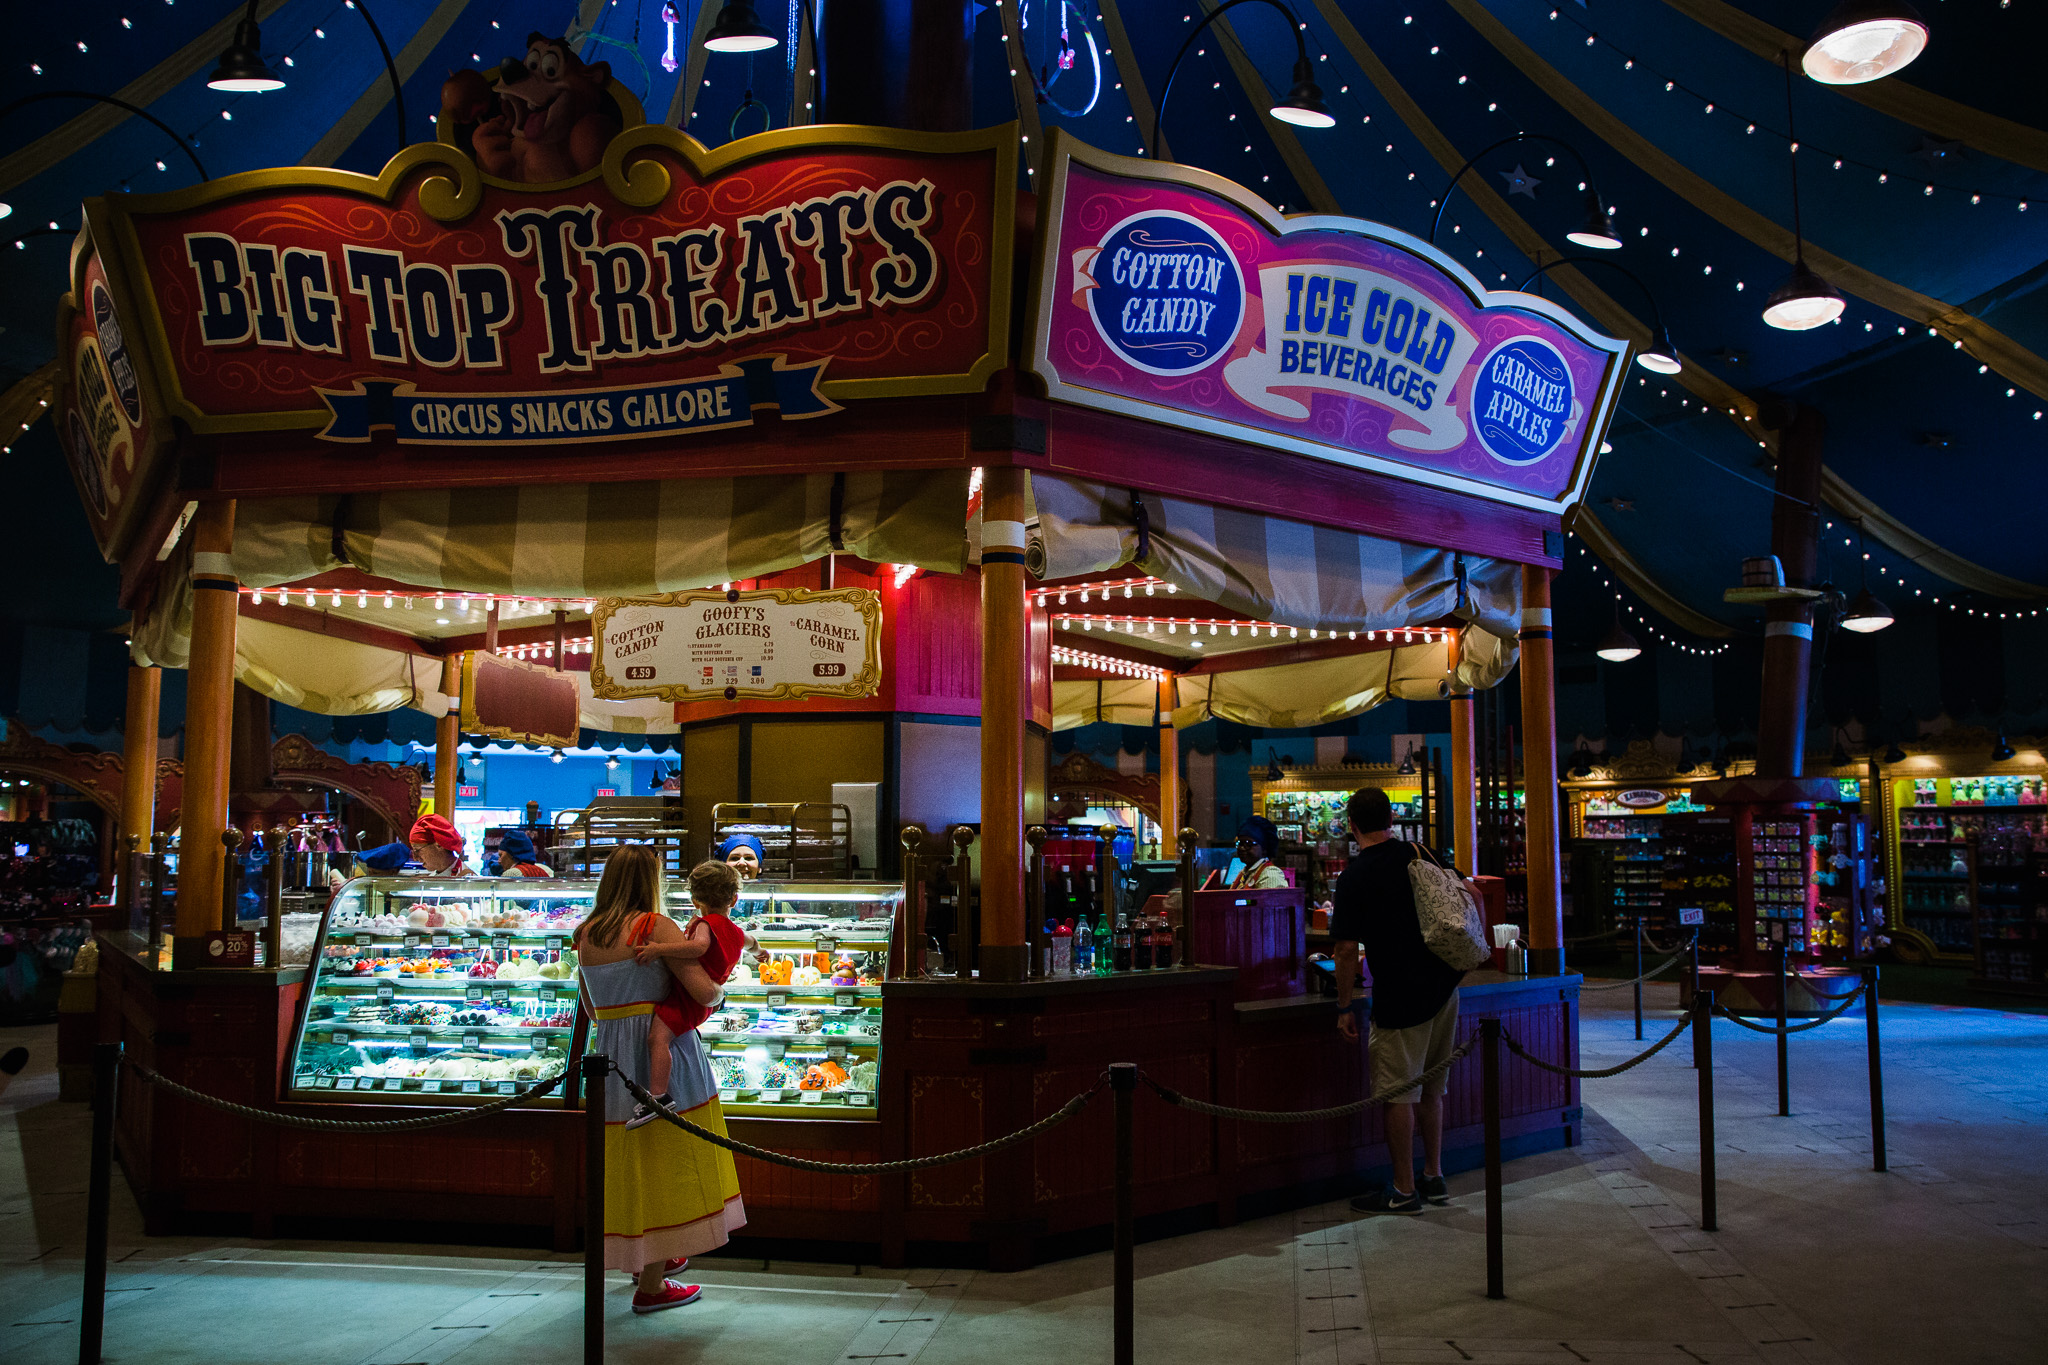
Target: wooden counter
{"type": "Point", "coordinates": [963, 1063]}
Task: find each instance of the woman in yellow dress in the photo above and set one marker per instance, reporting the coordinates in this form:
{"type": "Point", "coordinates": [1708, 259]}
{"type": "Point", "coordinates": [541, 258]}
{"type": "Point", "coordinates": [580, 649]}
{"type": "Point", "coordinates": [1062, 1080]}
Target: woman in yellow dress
{"type": "Point", "coordinates": [668, 1195]}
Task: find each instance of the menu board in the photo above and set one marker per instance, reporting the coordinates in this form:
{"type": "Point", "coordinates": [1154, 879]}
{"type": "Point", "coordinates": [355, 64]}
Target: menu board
{"type": "Point", "coordinates": [706, 645]}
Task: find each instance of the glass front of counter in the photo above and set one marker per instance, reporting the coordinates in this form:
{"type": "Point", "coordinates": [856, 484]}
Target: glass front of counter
{"type": "Point", "coordinates": [442, 990]}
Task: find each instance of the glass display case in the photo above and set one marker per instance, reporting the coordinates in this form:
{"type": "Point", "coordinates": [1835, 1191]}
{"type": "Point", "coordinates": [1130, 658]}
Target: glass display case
{"type": "Point", "coordinates": [800, 1031]}
{"type": "Point", "coordinates": [433, 990]}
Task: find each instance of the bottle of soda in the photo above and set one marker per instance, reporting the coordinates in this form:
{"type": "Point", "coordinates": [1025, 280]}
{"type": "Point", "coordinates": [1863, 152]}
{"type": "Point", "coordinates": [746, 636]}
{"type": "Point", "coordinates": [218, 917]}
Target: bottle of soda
{"type": "Point", "coordinates": [1162, 942]}
{"type": "Point", "coordinates": [1084, 947]}
{"type": "Point", "coordinates": [1124, 944]}
{"type": "Point", "coordinates": [1104, 948]}
{"type": "Point", "coordinates": [1141, 944]}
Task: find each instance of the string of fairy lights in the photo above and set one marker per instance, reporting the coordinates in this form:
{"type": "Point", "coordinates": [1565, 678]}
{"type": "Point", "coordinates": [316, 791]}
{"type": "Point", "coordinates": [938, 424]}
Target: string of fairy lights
{"type": "Point", "coordinates": [1642, 622]}
{"type": "Point", "coordinates": [1891, 576]}
{"type": "Point", "coordinates": [1106, 663]}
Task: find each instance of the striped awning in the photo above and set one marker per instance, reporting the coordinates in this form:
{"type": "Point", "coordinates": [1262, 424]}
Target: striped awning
{"type": "Point", "coordinates": [1270, 568]}
{"type": "Point", "coordinates": [580, 540]}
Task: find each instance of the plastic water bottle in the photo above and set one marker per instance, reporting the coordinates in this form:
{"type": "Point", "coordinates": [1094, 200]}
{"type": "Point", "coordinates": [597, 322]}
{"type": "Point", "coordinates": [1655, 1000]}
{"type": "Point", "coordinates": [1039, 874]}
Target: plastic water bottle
{"type": "Point", "coordinates": [1084, 947]}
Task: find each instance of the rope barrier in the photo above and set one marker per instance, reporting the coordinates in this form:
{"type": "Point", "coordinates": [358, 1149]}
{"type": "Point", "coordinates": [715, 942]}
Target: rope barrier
{"type": "Point", "coordinates": [1618, 985]}
{"type": "Point", "coordinates": [1831, 1015]}
{"type": "Point", "coordinates": [1224, 1111]}
{"type": "Point", "coordinates": [271, 1116]}
{"type": "Point", "coordinates": [1594, 938]}
{"type": "Point", "coordinates": [1604, 1072]}
{"type": "Point", "coordinates": [661, 1107]}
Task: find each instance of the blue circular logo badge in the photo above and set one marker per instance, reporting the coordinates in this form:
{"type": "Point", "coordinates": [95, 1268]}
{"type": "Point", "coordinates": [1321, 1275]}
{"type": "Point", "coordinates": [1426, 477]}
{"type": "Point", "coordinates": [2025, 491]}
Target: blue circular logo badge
{"type": "Point", "coordinates": [1522, 401]}
{"type": "Point", "coordinates": [1168, 296]}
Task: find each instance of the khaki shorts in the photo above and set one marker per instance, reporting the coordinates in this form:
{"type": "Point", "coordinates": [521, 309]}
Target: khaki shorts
{"type": "Point", "coordinates": [1399, 1054]}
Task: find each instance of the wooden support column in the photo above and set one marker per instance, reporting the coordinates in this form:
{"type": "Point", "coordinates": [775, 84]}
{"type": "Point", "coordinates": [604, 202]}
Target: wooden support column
{"type": "Point", "coordinates": [1005, 705]}
{"type": "Point", "coordinates": [1539, 768]}
{"type": "Point", "coordinates": [1788, 625]}
{"type": "Point", "coordinates": [209, 720]}
{"type": "Point", "coordinates": [448, 763]}
{"type": "Point", "coordinates": [1169, 772]}
{"type": "Point", "coordinates": [138, 758]}
{"type": "Point", "coordinates": [1464, 777]}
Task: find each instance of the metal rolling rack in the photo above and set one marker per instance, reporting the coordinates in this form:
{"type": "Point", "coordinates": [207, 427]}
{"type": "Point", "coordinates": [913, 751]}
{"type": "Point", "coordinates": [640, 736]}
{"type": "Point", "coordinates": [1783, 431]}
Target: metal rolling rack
{"type": "Point", "coordinates": [585, 838]}
{"type": "Point", "coordinates": [800, 840]}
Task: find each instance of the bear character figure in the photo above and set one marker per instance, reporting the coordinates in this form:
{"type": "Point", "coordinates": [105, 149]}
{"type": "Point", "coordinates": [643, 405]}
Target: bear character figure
{"type": "Point", "coordinates": [549, 118]}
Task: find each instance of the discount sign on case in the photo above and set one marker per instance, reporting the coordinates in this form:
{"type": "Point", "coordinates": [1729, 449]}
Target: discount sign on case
{"type": "Point", "coordinates": [708, 645]}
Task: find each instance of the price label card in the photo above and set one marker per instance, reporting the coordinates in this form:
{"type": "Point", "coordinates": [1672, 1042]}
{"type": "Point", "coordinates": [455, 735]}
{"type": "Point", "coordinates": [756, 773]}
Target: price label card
{"type": "Point", "coordinates": [825, 944]}
{"type": "Point", "coordinates": [554, 943]}
{"type": "Point", "coordinates": [430, 1087]}
{"type": "Point", "coordinates": [324, 1083]}
{"type": "Point", "coordinates": [340, 1035]}
{"type": "Point", "coordinates": [412, 940]}
{"type": "Point", "coordinates": [776, 1047]}
{"type": "Point", "coordinates": [811, 1096]}
{"type": "Point", "coordinates": [777, 999]}
{"type": "Point", "coordinates": [728, 1096]}
{"type": "Point", "coordinates": [384, 990]}
{"type": "Point", "coordinates": [547, 997]}
{"type": "Point", "coordinates": [345, 1083]}
{"type": "Point", "coordinates": [507, 1088]}
{"type": "Point", "coordinates": [440, 940]}
{"type": "Point", "coordinates": [394, 1083]}
{"type": "Point", "coordinates": [474, 995]}
{"type": "Point", "coordinates": [501, 998]}
{"type": "Point", "coordinates": [472, 941]}
{"type": "Point", "coordinates": [846, 1000]}
{"type": "Point", "coordinates": [858, 1097]}
{"type": "Point", "coordinates": [836, 1051]}
{"type": "Point", "coordinates": [419, 1037]}
{"type": "Point", "coordinates": [778, 1096]}
{"type": "Point", "coordinates": [501, 941]}
{"type": "Point", "coordinates": [539, 1041]}
{"type": "Point", "coordinates": [472, 1087]}
{"type": "Point", "coordinates": [471, 1042]}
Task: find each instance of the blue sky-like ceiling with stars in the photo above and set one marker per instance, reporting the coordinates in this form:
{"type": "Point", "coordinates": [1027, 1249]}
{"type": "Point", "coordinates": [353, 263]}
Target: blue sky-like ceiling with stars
{"type": "Point", "coordinates": [1930, 189]}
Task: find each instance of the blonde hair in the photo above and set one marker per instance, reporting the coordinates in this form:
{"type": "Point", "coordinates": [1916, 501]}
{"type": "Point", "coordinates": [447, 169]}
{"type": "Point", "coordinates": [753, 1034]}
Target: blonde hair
{"type": "Point", "coordinates": [714, 884]}
{"type": "Point", "coordinates": [630, 887]}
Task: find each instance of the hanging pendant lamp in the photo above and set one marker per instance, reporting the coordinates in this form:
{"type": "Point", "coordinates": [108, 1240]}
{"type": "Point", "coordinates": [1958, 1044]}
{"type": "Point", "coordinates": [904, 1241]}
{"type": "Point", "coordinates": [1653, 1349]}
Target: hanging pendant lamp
{"type": "Point", "coordinates": [242, 69]}
{"type": "Point", "coordinates": [1864, 40]}
{"type": "Point", "coordinates": [1619, 646]}
{"type": "Point", "coordinates": [1865, 612]}
{"type": "Point", "coordinates": [1805, 300]}
{"type": "Point", "coordinates": [739, 29]}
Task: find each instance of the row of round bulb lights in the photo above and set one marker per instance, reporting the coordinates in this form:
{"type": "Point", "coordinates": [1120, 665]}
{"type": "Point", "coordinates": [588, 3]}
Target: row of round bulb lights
{"type": "Point", "coordinates": [543, 651]}
{"type": "Point", "coordinates": [1129, 624]}
{"type": "Point", "coordinates": [1103, 663]}
{"type": "Point", "coordinates": [1085, 591]}
{"type": "Point", "coordinates": [463, 601]}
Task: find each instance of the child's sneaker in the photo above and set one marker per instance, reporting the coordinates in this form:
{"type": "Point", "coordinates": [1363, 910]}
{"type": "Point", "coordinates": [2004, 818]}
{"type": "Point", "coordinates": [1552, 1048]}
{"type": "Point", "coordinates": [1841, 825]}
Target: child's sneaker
{"type": "Point", "coordinates": [672, 1295]}
{"type": "Point", "coordinates": [1389, 1201]}
{"type": "Point", "coordinates": [641, 1115]}
{"type": "Point", "coordinates": [1433, 1189]}
{"type": "Point", "coordinates": [676, 1264]}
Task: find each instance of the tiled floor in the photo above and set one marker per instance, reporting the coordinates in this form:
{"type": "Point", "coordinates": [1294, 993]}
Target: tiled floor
{"type": "Point", "coordinates": [1818, 1259]}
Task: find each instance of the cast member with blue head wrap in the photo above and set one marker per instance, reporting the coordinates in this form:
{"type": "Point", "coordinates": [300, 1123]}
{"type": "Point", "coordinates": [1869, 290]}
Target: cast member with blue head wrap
{"type": "Point", "coordinates": [517, 858]}
{"type": "Point", "coordinates": [1258, 843]}
{"type": "Point", "coordinates": [744, 853]}
{"type": "Point", "coordinates": [385, 861]}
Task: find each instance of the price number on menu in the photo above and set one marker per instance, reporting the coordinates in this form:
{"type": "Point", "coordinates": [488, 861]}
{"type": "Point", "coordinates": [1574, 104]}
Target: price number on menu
{"type": "Point", "coordinates": [554, 943]}
{"type": "Point", "coordinates": [440, 940]}
{"type": "Point", "coordinates": [539, 1042]}
{"type": "Point", "coordinates": [846, 1000]}
{"type": "Point", "coordinates": [393, 1083]}
{"type": "Point", "coordinates": [811, 1096]}
{"type": "Point", "coordinates": [501, 941]}
{"type": "Point", "coordinates": [472, 1087]}
{"type": "Point", "coordinates": [474, 995]}
{"type": "Point", "coordinates": [507, 1088]}
{"type": "Point", "coordinates": [345, 1083]}
{"type": "Point", "coordinates": [472, 941]}
{"type": "Point", "coordinates": [547, 997]}
{"type": "Point", "coordinates": [419, 1037]}
{"type": "Point", "coordinates": [384, 991]}
{"type": "Point", "coordinates": [777, 999]}
{"type": "Point", "coordinates": [324, 1083]}
{"type": "Point", "coordinates": [430, 1087]}
{"type": "Point", "coordinates": [728, 1096]}
{"type": "Point", "coordinates": [472, 1041]}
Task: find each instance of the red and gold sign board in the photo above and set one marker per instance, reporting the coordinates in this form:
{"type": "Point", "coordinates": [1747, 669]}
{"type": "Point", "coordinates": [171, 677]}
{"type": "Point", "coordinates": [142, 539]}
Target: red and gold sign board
{"type": "Point", "coordinates": [768, 645]}
{"type": "Point", "coordinates": [519, 702]}
{"type": "Point", "coordinates": [107, 406]}
{"type": "Point", "coordinates": [666, 292]}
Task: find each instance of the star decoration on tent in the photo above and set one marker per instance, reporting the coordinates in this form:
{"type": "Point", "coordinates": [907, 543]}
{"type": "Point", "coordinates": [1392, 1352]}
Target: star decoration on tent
{"type": "Point", "coordinates": [1520, 181]}
{"type": "Point", "coordinates": [1621, 504]}
{"type": "Point", "coordinates": [1935, 153]}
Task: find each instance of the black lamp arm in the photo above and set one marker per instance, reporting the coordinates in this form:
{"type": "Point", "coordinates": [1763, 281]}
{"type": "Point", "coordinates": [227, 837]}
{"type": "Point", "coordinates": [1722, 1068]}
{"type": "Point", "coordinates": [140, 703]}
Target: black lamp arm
{"type": "Point", "coordinates": [1166, 90]}
{"type": "Point", "coordinates": [390, 67]}
{"type": "Point", "coordinates": [1445, 201]}
{"type": "Point", "coordinates": [1656, 313]}
{"type": "Point", "coordinates": [118, 103]}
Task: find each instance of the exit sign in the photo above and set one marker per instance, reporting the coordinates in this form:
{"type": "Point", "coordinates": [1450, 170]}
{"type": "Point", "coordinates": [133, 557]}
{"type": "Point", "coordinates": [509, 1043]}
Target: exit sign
{"type": "Point", "coordinates": [606, 791]}
{"type": "Point", "coordinates": [469, 791]}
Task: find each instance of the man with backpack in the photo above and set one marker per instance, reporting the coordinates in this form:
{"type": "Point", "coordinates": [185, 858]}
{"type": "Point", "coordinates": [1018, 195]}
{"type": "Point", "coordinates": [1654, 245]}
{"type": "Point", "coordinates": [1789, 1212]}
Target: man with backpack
{"type": "Point", "coordinates": [1414, 998]}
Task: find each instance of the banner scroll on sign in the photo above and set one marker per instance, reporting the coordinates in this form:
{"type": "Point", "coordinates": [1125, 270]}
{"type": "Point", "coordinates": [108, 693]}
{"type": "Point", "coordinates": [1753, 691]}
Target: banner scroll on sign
{"type": "Point", "coordinates": [769, 645]}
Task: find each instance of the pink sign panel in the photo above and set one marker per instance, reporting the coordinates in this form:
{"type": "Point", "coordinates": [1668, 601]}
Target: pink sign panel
{"type": "Point", "coordinates": [1170, 294]}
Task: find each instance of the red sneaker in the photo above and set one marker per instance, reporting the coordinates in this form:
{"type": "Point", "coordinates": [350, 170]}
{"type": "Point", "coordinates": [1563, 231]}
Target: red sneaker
{"type": "Point", "coordinates": [672, 1295]}
{"type": "Point", "coordinates": [676, 1265]}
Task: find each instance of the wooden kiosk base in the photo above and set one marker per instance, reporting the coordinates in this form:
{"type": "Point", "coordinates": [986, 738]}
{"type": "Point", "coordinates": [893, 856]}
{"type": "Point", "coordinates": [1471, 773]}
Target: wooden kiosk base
{"type": "Point", "coordinates": [963, 1062]}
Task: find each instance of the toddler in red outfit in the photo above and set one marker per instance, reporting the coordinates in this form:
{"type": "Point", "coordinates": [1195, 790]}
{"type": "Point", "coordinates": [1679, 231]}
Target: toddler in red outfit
{"type": "Point", "coordinates": [717, 943]}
